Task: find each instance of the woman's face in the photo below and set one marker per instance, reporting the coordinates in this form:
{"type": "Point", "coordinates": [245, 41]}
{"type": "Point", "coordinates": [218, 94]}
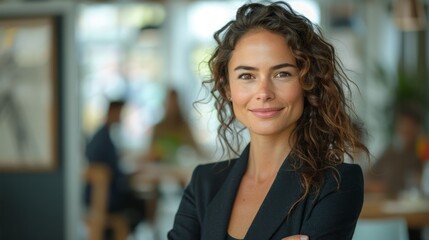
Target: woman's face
{"type": "Point", "coordinates": [265, 90]}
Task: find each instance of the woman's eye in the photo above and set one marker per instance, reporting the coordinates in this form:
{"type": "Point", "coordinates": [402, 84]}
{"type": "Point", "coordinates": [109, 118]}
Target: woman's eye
{"type": "Point", "coordinates": [245, 76]}
{"type": "Point", "coordinates": [283, 74]}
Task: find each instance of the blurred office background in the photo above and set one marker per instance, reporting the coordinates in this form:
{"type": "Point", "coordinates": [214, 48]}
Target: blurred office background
{"type": "Point", "coordinates": [72, 57]}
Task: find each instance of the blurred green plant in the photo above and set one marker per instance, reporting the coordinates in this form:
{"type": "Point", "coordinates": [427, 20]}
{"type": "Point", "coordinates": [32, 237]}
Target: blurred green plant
{"type": "Point", "coordinates": [403, 87]}
{"type": "Point", "coordinates": [408, 87]}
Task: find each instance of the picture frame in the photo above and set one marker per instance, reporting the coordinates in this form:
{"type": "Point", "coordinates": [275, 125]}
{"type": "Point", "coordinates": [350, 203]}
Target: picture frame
{"type": "Point", "coordinates": [28, 93]}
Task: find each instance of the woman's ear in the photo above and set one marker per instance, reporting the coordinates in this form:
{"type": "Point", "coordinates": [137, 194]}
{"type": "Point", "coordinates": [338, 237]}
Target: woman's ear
{"type": "Point", "coordinates": [228, 94]}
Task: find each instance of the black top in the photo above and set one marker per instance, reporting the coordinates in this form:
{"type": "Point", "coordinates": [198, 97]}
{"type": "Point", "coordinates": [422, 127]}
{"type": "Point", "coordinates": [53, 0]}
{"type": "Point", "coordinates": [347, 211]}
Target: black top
{"type": "Point", "coordinates": [228, 237]}
{"type": "Point", "coordinates": [207, 203]}
{"type": "Point", "coordinates": [101, 149]}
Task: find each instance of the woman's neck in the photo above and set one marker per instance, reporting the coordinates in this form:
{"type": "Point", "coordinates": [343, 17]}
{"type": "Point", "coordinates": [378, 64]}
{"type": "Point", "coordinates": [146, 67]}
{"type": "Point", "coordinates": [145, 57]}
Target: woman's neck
{"type": "Point", "coordinates": [266, 157]}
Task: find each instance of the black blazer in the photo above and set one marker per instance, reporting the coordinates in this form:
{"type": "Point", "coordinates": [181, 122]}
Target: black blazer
{"type": "Point", "coordinates": [207, 202]}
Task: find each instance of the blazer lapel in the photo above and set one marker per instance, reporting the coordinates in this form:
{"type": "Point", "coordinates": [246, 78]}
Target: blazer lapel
{"type": "Point", "coordinates": [216, 219]}
{"type": "Point", "coordinates": [284, 192]}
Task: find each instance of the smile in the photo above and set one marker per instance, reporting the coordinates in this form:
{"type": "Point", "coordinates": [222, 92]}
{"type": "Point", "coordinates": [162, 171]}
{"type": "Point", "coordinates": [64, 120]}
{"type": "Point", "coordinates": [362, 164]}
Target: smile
{"type": "Point", "coordinates": [266, 112]}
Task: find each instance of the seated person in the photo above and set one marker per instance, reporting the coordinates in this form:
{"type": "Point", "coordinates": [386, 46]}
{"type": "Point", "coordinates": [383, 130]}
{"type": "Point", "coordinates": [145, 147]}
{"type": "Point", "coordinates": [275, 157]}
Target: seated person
{"type": "Point", "coordinates": [399, 168]}
{"type": "Point", "coordinates": [101, 149]}
{"type": "Point", "coordinates": [172, 133]}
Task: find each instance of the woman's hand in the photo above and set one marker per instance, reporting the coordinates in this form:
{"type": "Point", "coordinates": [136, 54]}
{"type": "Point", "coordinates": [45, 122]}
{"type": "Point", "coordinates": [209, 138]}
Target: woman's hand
{"type": "Point", "coordinates": [296, 237]}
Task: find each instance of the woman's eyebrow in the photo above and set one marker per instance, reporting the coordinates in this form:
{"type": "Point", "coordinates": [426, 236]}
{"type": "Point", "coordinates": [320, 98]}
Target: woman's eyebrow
{"type": "Point", "coordinates": [282, 65]}
{"type": "Point", "coordinates": [241, 67]}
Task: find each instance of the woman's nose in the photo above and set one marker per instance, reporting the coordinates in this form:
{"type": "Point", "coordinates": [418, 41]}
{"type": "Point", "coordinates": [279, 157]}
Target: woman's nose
{"type": "Point", "coordinates": [265, 90]}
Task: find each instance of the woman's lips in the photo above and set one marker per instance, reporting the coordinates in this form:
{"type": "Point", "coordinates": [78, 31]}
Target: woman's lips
{"type": "Point", "coordinates": [266, 112]}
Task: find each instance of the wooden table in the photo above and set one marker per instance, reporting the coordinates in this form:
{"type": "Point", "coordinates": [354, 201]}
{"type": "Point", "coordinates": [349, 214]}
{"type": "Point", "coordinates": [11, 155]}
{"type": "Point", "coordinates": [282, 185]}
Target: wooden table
{"type": "Point", "coordinates": [414, 211]}
{"type": "Point", "coordinates": [150, 175]}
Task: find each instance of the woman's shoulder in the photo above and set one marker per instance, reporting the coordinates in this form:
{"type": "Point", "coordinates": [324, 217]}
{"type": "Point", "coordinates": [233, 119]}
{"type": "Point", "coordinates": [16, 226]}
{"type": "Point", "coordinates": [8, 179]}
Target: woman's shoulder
{"type": "Point", "coordinates": [215, 168]}
{"type": "Point", "coordinates": [349, 169]}
{"type": "Point", "coordinates": [212, 175]}
{"type": "Point", "coordinates": [345, 176]}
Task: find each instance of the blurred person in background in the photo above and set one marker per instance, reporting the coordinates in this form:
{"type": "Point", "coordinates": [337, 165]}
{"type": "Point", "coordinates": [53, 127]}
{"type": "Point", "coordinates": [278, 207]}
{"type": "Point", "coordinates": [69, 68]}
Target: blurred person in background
{"type": "Point", "coordinates": [101, 149]}
{"type": "Point", "coordinates": [172, 137]}
{"type": "Point", "coordinates": [274, 73]}
{"type": "Point", "coordinates": [171, 133]}
{"type": "Point", "coordinates": [172, 154]}
{"type": "Point", "coordinates": [398, 170]}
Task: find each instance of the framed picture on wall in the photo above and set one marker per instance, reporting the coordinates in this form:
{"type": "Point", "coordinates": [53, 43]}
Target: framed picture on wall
{"type": "Point", "coordinates": [28, 94]}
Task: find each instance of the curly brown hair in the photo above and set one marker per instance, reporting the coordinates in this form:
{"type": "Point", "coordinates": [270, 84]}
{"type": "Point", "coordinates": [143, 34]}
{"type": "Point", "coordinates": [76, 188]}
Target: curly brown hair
{"type": "Point", "coordinates": [325, 133]}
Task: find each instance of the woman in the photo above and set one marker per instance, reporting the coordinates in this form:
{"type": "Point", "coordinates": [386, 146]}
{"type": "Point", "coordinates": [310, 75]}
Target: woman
{"type": "Point", "coordinates": [276, 75]}
{"type": "Point", "coordinates": [171, 134]}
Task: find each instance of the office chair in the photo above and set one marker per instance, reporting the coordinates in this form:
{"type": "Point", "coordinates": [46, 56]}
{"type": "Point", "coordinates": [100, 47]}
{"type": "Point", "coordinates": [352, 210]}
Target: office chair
{"type": "Point", "coordinates": [98, 219]}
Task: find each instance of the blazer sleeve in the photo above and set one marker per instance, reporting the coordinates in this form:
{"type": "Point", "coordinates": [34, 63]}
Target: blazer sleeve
{"type": "Point", "coordinates": [186, 222]}
{"type": "Point", "coordinates": [335, 213]}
